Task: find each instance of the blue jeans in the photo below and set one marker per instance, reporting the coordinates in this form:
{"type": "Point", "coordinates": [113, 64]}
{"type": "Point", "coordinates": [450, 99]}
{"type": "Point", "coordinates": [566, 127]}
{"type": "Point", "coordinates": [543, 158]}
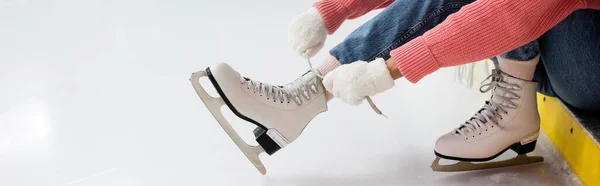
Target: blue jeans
{"type": "Point", "coordinates": [570, 61]}
{"type": "Point", "coordinates": [405, 20]}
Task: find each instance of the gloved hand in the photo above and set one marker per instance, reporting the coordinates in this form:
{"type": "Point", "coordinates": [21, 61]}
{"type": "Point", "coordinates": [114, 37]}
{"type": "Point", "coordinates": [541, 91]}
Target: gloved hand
{"type": "Point", "coordinates": [307, 33]}
{"type": "Point", "coordinates": [352, 82]}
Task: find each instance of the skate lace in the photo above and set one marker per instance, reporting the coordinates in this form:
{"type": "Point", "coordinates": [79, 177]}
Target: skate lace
{"type": "Point", "coordinates": [282, 94]}
{"type": "Point", "coordinates": [371, 103]}
{"type": "Point", "coordinates": [488, 116]}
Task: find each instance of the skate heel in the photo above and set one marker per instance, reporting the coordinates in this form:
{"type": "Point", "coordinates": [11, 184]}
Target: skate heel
{"type": "Point", "coordinates": [214, 104]}
{"type": "Point", "coordinates": [526, 145]}
{"type": "Point", "coordinates": [267, 142]}
{"type": "Point", "coordinates": [525, 148]}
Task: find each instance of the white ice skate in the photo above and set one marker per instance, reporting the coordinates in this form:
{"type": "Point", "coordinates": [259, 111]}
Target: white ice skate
{"type": "Point", "coordinates": [280, 112]}
{"type": "Point", "coordinates": [509, 120]}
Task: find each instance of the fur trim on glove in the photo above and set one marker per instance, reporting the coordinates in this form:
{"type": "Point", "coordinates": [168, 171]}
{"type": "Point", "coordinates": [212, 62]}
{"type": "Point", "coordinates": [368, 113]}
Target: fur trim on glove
{"type": "Point", "coordinates": [353, 82]}
{"type": "Point", "coordinates": [307, 33]}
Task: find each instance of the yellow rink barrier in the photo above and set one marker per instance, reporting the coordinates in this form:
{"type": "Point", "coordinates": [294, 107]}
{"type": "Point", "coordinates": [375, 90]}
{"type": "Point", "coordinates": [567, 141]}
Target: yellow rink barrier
{"type": "Point", "coordinates": [574, 143]}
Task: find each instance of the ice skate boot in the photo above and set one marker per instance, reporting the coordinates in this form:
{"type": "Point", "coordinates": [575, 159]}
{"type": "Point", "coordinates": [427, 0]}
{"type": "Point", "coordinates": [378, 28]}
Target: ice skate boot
{"type": "Point", "coordinates": [280, 112]}
{"type": "Point", "coordinates": [509, 120]}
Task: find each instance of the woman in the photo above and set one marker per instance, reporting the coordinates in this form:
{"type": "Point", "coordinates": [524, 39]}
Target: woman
{"type": "Point", "coordinates": [412, 39]}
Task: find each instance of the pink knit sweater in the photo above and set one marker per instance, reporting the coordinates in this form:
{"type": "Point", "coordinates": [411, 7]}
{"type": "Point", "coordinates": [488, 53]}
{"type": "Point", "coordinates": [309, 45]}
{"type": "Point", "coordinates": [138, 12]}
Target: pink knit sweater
{"type": "Point", "coordinates": [480, 30]}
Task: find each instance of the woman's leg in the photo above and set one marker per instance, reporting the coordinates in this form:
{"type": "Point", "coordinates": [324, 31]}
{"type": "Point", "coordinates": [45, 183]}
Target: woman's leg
{"type": "Point", "coordinates": [571, 60]}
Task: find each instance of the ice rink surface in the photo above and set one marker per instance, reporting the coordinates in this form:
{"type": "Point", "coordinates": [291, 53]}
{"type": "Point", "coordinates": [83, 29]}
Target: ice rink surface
{"type": "Point", "coordinates": [97, 93]}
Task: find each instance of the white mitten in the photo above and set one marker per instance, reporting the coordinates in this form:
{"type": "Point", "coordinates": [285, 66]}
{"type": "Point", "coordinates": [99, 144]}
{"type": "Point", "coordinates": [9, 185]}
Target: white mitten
{"type": "Point", "coordinates": [352, 82]}
{"type": "Point", "coordinates": [307, 33]}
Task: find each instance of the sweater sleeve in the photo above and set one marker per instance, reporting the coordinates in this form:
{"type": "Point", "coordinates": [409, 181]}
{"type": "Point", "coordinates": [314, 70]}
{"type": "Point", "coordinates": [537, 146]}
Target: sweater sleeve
{"type": "Point", "coordinates": [335, 12]}
{"type": "Point", "coordinates": [480, 30]}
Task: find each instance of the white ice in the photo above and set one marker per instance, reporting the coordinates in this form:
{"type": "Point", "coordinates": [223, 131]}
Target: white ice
{"type": "Point", "coordinates": [97, 93]}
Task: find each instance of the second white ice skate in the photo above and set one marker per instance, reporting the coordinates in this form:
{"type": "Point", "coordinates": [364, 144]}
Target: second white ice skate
{"type": "Point", "coordinates": [280, 112]}
{"type": "Point", "coordinates": [509, 120]}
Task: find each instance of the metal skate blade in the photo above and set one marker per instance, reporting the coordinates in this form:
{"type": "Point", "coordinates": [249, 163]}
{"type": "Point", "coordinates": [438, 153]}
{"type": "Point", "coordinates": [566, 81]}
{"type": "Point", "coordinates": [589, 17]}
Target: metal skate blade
{"type": "Point", "coordinates": [214, 106]}
{"type": "Point", "coordinates": [468, 166]}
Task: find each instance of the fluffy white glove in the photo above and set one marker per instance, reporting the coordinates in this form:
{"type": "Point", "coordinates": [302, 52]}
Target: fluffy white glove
{"type": "Point", "coordinates": [352, 82]}
{"type": "Point", "coordinates": [307, 33]}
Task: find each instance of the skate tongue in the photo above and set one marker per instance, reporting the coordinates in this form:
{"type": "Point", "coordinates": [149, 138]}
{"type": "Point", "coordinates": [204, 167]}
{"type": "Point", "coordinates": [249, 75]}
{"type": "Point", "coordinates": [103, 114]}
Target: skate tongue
{"type": "Point", "coordinates": [498, 79]}
{"type": "Point", "coordinates": [499, 98]}
{"type": "Point", "coordinates": [475, 118]}
{"type": "Point", "coordinates": [499, 95]}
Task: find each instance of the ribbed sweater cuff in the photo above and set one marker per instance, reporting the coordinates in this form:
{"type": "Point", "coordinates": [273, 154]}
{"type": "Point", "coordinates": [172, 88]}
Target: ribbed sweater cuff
{"type": "Point", "coordinates": [333, 14]}
{"type": "Point", "coordinates": [414, 60]}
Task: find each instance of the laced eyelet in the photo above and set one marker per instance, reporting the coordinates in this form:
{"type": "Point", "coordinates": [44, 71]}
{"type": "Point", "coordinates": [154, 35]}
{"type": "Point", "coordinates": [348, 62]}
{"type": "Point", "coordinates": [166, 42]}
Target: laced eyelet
{"type": "Point", "coordinates": [314, 89]}
{"type": "Point", "coordinates": [306, 94]}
